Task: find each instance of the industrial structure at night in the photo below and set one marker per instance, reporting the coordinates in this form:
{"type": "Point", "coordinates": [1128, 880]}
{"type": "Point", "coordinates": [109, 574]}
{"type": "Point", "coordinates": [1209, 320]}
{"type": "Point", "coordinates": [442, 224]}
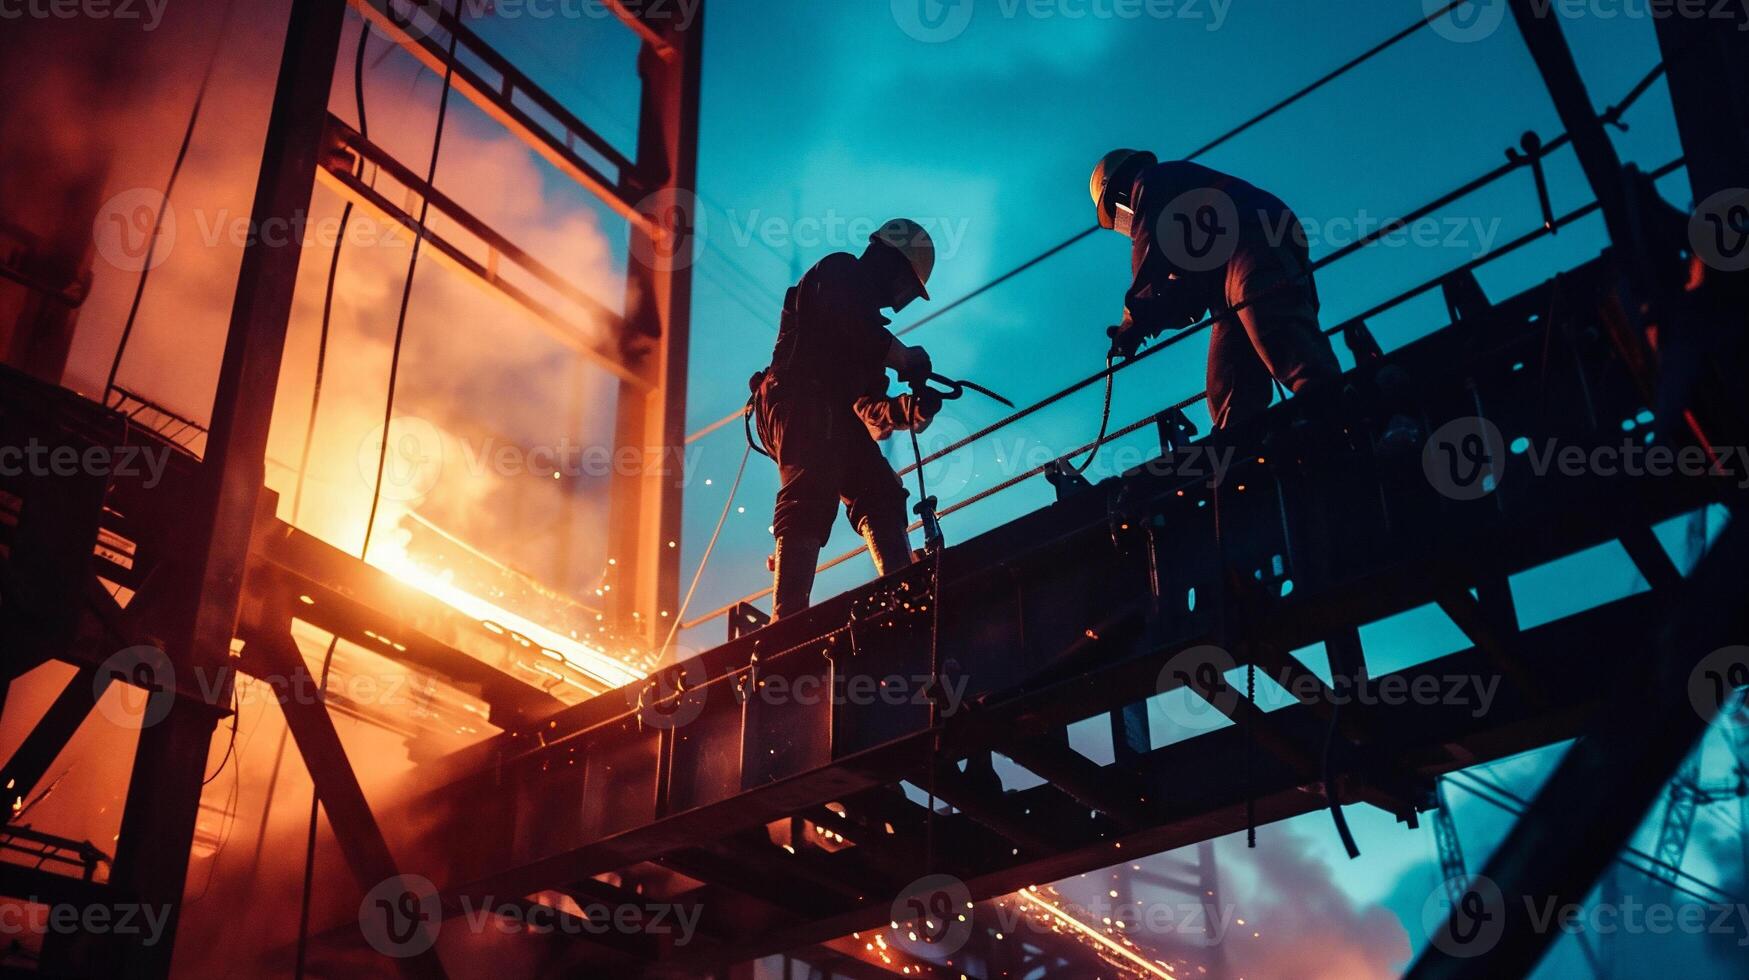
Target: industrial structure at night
{"type": "Point", "coordinates": [373, 602]}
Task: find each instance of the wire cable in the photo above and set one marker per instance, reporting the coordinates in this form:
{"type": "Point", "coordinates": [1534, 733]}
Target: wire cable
{"type": "Point", "coordinates": [680, 614]}
{"type": "Point", "coordinates": [382, 462]}
{"type": "Point", "coordinates": [333, 275]}
{"type": "Point", "coordinates": [127, 330]}
{"type": "Point", "coordinates": [1206, 148]}
{"type": "Point", "coordinates": [1529, 237]}
{"type": "Point", "coordinates": [407, 294]}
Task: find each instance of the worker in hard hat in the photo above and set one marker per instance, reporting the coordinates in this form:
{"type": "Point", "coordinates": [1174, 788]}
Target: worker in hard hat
{"type": "Point", "coordinates": [824, 403]}
{"type": "Point", "coordinates": [1207, 243]}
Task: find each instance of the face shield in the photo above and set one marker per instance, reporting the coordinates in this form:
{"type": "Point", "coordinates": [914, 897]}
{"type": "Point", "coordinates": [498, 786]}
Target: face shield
{"type": "Point", "coordinates": [1123, 218]}
{"type": "Point", "coordinates": [905, 291]}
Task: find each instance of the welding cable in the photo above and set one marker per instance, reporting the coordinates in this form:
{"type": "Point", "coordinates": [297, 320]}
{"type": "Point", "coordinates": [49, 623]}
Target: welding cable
{"type": "Point", "coordinates": [206, 78]}
{"type": "Point", "coordinates": [747, 427]}
{"type": "Point", "coordinates": [333, 274]}
{"type": "Point", "coordinates": [935, 550]}
{"type": "Point", "coordinates": [382, 458]}
{"type": "Point", "coordinates": [1250, 755]}
{"type": "Point", "coordinates": [1330, 795]}
{"type": "Point", "coordinates": [734, 488]}
{"type": "Point", "coordinates": [407, 292]}
{"type": "Point", "coordinates": [1104, 417]}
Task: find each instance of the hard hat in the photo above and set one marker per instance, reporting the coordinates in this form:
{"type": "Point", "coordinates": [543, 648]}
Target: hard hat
{"type": "Point", "coordinates": [914, 244]}
{"type": "Point", "coordinates": [1106, 194]}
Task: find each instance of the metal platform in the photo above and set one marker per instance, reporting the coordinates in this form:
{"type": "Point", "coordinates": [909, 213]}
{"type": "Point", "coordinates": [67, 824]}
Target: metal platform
{"type": "Point", "coordinates": [1086, 608]}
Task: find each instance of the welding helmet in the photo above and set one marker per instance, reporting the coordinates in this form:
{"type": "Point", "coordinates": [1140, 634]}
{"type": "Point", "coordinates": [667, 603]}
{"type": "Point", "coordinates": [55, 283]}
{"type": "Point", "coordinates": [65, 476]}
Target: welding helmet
{"type": "Point", "coordinates": [908, 238]}
{"type": "Point", "coordinates": [1114, 179]}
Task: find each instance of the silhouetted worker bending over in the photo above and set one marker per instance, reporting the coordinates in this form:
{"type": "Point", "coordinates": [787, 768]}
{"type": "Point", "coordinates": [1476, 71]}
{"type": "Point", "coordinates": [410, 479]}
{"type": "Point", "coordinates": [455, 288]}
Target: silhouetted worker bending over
{"type": "Point", "coordinates": [1208, 243]}
{"type": "Point", "coordinates": [823, 404]}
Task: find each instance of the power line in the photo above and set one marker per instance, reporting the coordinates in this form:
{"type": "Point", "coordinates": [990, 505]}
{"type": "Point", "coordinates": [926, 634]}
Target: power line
{"type": "Point", "coordinates": [1218, 141]}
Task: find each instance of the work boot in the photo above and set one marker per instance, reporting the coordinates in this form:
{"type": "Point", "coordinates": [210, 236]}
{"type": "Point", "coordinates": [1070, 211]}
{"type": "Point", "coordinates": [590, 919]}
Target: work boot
{"type": "Point", "coordinates": [888, 544]}
{"type": "Point", "coordinates": [794, 567]}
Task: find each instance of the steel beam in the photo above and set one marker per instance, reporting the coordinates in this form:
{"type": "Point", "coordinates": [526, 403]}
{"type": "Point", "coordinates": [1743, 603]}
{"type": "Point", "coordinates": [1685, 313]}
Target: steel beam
{"type": "Point", "coordinates": [645, 505]}
{"type": "Point", "coordinates": [52, 733]}
{"type": "Point", "coordinates": [169, 765]}
{"type": "Point", "coordinates": [1706, 60]}
{"type": "Point", "coordinates": [1540, 26]}
{"type": "Point", "coordinates": [355, 827]}
{"type": "Point", "coordinates": [1064, 614]}
{"type": "Point", "coordinates": [1599, 794]}
{"type": "Point", "coordinates": [498, 100]}
{"type": "Point", "coordinates": [339, 176]}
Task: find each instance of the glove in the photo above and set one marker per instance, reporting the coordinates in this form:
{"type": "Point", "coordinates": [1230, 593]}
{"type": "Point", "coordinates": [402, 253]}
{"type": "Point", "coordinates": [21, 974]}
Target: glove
{"type": "Point", "coordinates": [915, 366]}
{"type": "Point", "coordinates": [917, 411]}
{"type": "Point", "coordinates": [1125, 341]}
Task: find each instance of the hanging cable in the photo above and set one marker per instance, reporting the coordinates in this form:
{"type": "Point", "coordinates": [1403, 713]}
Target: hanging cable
{"type": "Point", "coordinates": [206, 78]}
{"type": "Point", "coordinates": [1104, 419]}
{"type": "Point", "coordinates": [926, 511]}
{"type": "Point", "coordinates": [333, 275]}
{"type": "Point", "coordinates": [680, 614]}
{"type": "Point", "coordinates": [1250, 754]}
{"type": "Point", "coordinates": [407, 294]}
{"type": "Point", "coordinates": [382, 460]}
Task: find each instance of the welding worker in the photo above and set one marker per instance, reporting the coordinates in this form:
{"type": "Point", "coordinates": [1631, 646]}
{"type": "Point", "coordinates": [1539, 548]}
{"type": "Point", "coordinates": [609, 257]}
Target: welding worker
{"type": "Point", "coordinates": [823, 405]}
{"type": "Point", "coordinates": [1203, 243]}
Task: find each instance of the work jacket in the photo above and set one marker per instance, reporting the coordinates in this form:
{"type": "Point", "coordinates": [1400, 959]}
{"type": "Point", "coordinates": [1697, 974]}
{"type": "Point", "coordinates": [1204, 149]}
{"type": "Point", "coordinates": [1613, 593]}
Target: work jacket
{"type": "Point", "coordinates": [1171, 290]}
{"type": "Point", "coordinates": [832, 347]}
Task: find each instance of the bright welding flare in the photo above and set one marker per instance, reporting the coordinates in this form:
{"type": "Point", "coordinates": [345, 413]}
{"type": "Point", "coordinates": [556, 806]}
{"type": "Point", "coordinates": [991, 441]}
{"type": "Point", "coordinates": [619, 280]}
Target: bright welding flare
{"type": "Point", "coordinates": [392, 557]}
{"type": "Point", "coordinates": [1152, 969]}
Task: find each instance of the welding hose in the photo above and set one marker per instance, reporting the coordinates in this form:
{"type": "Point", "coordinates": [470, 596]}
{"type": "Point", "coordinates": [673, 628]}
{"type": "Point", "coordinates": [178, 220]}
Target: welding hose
{"type": "Point", "coordinates": [912, 419]}
{"type": "Point", "coordinates": [1104, 418]}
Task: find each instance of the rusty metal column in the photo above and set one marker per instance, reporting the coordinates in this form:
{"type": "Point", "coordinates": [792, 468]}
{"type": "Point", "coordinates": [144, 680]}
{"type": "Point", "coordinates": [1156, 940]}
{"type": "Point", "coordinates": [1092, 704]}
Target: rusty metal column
{"type": "Point", "coordinates": [164, 794]}
{"type": "Point", "coordinates": [646, 506]}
